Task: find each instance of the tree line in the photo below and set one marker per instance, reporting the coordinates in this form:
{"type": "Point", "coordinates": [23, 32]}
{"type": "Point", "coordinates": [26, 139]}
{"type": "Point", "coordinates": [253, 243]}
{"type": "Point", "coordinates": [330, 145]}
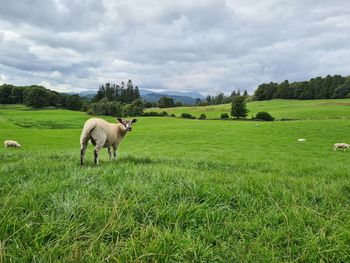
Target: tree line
{"type": "Point", "coordinates": [329, 87]}
{"type": "Point", "coordinates": [220, 98]}
{"type": "Point", "coordinates": [39, 97]}
{"type": "Point", "coordinates": [115, 100]}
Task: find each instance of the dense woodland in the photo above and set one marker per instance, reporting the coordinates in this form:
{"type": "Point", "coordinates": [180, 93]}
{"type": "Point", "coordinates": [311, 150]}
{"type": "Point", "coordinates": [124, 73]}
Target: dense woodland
{"type": "Point", "coordinates": [125, 100]}
{"type": "Point", "coordinates": [329, 87]}
{"type": "Point", "coordinates": [220, 98]}
{"type": "Point", "coordinates": [39, 97]}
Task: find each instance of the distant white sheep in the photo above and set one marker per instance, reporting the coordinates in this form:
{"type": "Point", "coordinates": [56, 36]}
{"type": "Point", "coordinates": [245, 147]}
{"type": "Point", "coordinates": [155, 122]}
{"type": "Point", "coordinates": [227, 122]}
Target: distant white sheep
{"type": "Point", "coordinates": [11, 143]}
{"type": "Point", "coordinates": [103, 134]}
{"type": "Point", "coordinates": [301, 140]}
{"type": "Point", "coordinates": [340, 146]}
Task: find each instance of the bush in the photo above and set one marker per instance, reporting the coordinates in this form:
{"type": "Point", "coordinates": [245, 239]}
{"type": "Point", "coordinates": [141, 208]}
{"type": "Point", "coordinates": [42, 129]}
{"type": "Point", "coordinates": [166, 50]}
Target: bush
{"type": "Point", "coordinates": [187, 116]}
{"type": "Point", "coordinates": [203, 116]}
{"type": "Point", "coordinates": [172, 115]}
{"type": "Point", "coordinates": [154, 113]}
{"type": "Point", "coordinates": [265, 116]}
{"type": "Point", "coordinates": [224, 116]}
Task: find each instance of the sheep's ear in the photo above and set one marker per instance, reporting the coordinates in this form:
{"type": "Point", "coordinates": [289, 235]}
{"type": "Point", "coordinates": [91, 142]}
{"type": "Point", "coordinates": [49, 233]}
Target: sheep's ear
{"type": "Point", "coordinates": [120, 120]}
{"type": "Point", "coordinates": [134, 120]}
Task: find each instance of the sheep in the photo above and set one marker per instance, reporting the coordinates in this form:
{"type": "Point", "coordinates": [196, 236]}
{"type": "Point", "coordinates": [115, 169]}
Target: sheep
{"type": "Point", "coordinates": [340, 146]}
{"type": "Point", "coordinates": [103, 134]}
{"type": "Point", "coordinates": [11, 143]}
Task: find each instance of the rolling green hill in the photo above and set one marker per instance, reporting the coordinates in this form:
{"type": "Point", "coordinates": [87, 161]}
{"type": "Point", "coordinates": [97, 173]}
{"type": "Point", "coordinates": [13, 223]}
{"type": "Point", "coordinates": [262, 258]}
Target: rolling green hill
{"type": "Point", "coordinates": [180, 191]}
{"type": "Point", "coordinates": [280, 109]}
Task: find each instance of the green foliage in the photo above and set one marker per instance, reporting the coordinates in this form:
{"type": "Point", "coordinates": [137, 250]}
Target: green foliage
{"type": "Point", "coordinates": [187, 116]}
{"type": "Point", "coordinates": [36, 97]}
{"type": "Point", "coordinates": [40, 97]}
{"type": "Point", "coordinates": [116, 108]}
{"type": "Point", "coordinates": [121, 93]}
{"type": "Point", "coordinates": [342, 91]}
{"type": "Point", "coordinates": [166, 102]}
{"type": "Point", "coordinates": [239, 107]}
{"type": "Point", "coordinates": [154, 113]}
{"type": "Point", "coordinates": [264, 116]}
{"type": "Point", "coordinates": [105, 107]}
{"type": "Point", "coordinates": [178, 104]}
{"type": "Point", "coordinates": [316, 88]}
{"type": "Point", "coordinates": [202, 116]}
{"type": "Point", "coordinates": [134, 109]}
{"type": "Point", "coordinates": [224, 116]}
{"type": "Point", "coordinates": [280, 109]}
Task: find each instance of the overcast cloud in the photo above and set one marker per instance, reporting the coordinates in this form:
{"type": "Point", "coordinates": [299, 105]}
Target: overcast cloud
{"type": "Point", "coordinates": [202, 46]}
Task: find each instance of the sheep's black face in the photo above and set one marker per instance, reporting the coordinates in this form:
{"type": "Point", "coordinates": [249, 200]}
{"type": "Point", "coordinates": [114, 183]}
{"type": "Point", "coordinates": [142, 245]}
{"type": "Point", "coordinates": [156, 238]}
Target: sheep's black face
{"type": "Point", "coordinates": [127, 124]}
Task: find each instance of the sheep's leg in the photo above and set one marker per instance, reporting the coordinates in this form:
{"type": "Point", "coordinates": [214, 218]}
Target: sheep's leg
{"type": "Point", "coordinates": [82, 153]}
{"type": "Point", "coordinates": [109, 153]}
{"type": "Point", "coordinates": [96, 152]}
{"type": "Point", "coordinates": [115, 152]}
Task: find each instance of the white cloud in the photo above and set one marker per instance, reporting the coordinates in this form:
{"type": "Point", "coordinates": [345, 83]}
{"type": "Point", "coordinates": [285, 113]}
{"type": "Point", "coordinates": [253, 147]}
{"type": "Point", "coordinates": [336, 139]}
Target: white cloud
{"type": "Point", "coordinates": [202, 45]}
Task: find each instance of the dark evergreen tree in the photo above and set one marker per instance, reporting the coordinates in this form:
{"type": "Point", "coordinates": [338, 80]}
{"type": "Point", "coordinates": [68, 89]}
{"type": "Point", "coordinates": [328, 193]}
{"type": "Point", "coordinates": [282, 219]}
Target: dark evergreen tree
{"type": "Point", "coordinates": [166, 102]}
{"type": "Point", "coordinates": [36, 97]}
{"type": "Point", "coordinates": [239, 107]}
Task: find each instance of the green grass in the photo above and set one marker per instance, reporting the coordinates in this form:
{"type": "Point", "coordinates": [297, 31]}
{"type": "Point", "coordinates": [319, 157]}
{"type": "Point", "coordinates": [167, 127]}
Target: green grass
{"type": "Point", "coordinates": [180, 191]}
{"type": "Point", "coordinates": [280, 109]}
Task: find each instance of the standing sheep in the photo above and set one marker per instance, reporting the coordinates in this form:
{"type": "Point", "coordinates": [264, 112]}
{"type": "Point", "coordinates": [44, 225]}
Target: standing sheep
{"type": "Point", "coordinates": [11, 143]}
{"type": "Point", "coordinates": [103, 134]}
{"type": "Point", "coordinates": [340, 146]}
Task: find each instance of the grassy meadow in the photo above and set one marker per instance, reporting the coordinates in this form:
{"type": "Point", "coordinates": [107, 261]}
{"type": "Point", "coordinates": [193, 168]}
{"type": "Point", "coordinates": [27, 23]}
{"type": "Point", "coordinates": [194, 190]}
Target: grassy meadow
{"type": "Point", "coordinates": [280, 109]}
{"type": "Point", "coordinates": [180, 190]}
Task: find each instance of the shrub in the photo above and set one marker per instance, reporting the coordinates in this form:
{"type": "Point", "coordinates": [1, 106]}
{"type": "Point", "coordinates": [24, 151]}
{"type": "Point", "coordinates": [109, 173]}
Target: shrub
{"type": "Point", "coordinates": [187, 116]}
{"type": "Point", "coordinates": [265, 116]}
{"type": "Point", "coordinates": [154, 113]}
{"type": "Point", "coordinates": [203, 116]}
{"type": "Point", "coordinates": [172, 115]}
{"type": "Point", "coordinates": [224, 116]}
{"type": "Point", "coordinates": [239, 107]}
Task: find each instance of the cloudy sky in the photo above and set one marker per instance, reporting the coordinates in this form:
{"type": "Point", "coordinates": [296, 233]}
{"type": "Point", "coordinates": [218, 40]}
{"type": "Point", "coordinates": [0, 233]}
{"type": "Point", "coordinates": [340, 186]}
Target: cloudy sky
{"type": "Point", "coordinates": [205, 46]}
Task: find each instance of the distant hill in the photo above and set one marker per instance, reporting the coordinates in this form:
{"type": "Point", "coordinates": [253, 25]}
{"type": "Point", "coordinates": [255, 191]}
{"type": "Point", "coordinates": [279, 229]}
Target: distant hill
{"type": "Point", "coordinates": [192, 94]}
{"type": "Point", "coordinates": [185, 97]}
{"type": "Point", "coordinates": [279, 108]}
{"type": "Point", "coordinates": [87, 94]}
{"type": "Point", "coordinates": [154, 97]}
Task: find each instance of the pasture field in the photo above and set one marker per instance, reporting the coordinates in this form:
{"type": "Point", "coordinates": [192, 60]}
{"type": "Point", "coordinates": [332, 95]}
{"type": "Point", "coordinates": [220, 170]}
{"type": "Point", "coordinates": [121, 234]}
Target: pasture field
{"type": "Point", "coordinates": [280, 109]}
{"type": "Point", "coordinates": [180, 191]}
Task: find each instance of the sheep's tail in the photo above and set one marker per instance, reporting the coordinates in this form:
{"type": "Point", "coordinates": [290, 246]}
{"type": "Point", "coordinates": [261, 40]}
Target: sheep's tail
{"type": "Point", "coordinates": [86, 133]}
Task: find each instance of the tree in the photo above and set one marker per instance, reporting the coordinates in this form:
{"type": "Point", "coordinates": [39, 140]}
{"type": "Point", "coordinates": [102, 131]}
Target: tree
{"type": "Point", "coordinates": [178, 104]}
{"type": "Point", "coordinates": [233, 94]}
{"type": "Point", "coordinates": [5, 94]}
{"type": "Point", "coordinates": [245, 93]}
{"type": "Point", "coordinates": [36, 97]}
{"type": "Point", "coordinates": [74, 102]}
{"type": "Point", "coordinates": [342, 91]}
{"type": "Point", "coordinates": [239, 107]}
{"type": "Point", "coordinates": [166, 102]}
{"type": "Point", "coordinates": [224, 116]}
{"type": "Point", "coordinates": [265, 116]}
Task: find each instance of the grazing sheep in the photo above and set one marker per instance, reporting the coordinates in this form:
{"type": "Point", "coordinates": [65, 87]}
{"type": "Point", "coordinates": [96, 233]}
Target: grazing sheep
{"type": "Point", "coordinates": [103, 134]}
{"type": "Point", "coordinates": [301, 140]}
{"type": "Point", "coordinates": [10, 143]}
{"type": "Point", "coordinates": [341, 146]}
